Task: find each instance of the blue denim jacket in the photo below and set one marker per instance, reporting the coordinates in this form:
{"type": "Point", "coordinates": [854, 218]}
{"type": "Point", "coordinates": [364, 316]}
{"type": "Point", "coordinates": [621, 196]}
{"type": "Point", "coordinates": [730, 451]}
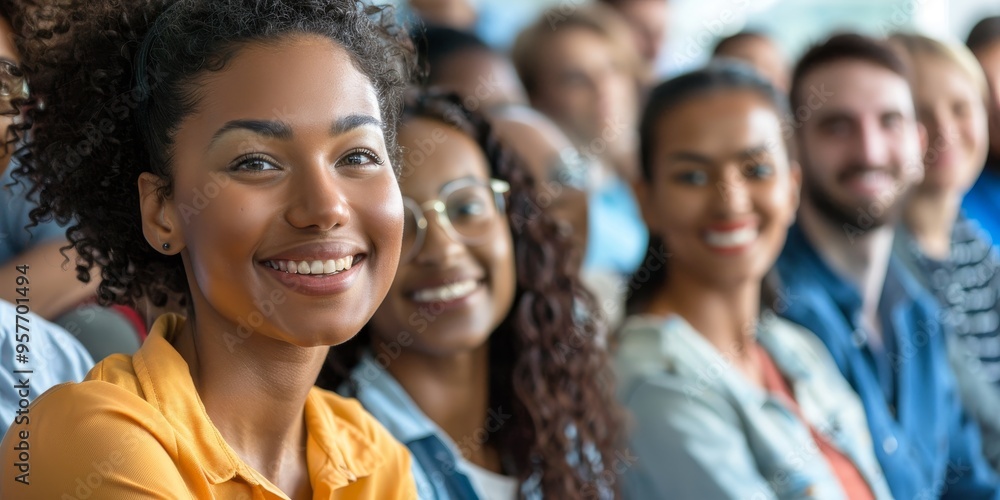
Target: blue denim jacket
{"type": "Point", "coordinates": [704, 431]}
{"type": "Point", "coordinates": [438, 470]}
{"type": "Point", "coordinates": [927, 446]}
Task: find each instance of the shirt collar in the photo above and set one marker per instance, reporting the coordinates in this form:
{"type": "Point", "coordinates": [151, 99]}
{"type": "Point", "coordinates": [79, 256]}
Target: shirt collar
{"type": "Point", "coordinates": [800, 254]}
{"type": "Point", "coordinates": [337, 451]}
{"type": "Point", "coordinates": [382, 395]}
{"type": "Point", "coordinates": [686, 353]}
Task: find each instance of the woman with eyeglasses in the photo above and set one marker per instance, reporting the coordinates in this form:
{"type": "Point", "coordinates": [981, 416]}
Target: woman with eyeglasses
{"type": "Point", "coordinates": [482, 359]}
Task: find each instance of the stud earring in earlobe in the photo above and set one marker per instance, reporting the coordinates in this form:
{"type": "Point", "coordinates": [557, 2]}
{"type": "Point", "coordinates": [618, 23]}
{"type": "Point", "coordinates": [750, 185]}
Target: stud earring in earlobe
{"type": "Point", "coordinates": [166, 246]}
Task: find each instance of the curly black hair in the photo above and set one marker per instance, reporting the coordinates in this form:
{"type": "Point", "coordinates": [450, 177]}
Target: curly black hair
{"type": "Point", "coordinates": [113, 80]}
{"type": "Point", "coordinates": [545, 359]}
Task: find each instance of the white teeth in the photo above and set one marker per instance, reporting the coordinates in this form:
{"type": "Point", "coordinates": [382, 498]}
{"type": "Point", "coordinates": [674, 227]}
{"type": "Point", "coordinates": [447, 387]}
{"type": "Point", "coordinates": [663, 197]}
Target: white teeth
{"type": "Point", "coordinates": [446, 293]}
{"type": "Point", "coordinates": [313, 266]}
{"type": "Point", "coordinates": [329, 266]}
{"type": "Point", "coordinates": [875, 180]}
{"type": "Point", "coordinates": [729, 239]}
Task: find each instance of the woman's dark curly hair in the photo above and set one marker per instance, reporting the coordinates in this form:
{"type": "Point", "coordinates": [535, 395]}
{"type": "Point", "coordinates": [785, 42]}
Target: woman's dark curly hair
{"type": "Point", "coordinates": [115, 78]}
{"type": "Point", "coordinates": [545, 360]}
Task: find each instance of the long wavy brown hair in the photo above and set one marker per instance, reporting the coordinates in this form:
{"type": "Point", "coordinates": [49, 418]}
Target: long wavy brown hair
{"type": "Point", "coordinates": [545, 358]}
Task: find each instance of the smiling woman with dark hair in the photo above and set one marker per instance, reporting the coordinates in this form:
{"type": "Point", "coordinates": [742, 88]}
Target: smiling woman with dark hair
{"type": "Point", "coordinates": [730, 401]}
{"type": "Point", "coordinates": [236, 153]}
{"type": "Point", "coordinates": [483, 359]}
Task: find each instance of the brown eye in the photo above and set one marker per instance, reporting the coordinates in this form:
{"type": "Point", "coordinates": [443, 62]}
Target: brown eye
{"type": "Point", "coordinates": [361, 158]}
{"type": "Point", "coordinates": [13, 84]}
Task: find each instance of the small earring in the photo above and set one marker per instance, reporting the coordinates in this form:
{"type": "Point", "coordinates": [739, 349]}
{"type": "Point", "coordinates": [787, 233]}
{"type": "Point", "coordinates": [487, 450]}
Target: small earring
{"type": "Point", "coordinates": [166, 246]}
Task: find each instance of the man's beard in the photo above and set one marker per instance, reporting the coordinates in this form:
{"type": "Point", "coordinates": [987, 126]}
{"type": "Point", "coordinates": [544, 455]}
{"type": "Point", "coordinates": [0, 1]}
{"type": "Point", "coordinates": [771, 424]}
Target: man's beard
{"type": "Point", "coordinates": [872, 216]}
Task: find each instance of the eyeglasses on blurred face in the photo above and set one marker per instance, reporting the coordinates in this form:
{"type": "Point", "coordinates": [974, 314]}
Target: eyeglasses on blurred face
{"type": "Point", "coordinates": [13, 86]}
{"type": "Point", "coordinates": [467, 209]}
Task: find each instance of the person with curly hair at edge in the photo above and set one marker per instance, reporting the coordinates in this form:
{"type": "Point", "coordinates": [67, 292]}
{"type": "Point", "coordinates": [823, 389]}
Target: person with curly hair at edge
{"type": "Point", "coordinates": [54, 356]}
{"type": "Point", "coordinates": [483, 359]}
{"type": "Point", "coordinates": [226, 141]}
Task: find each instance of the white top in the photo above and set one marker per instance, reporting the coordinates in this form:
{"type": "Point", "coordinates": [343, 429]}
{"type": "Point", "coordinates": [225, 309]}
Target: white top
{"type": "Point", "coordinates": [494, 486]}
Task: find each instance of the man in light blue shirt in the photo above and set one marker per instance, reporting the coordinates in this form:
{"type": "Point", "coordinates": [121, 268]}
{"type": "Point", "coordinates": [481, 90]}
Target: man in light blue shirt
{"type": "Point", "coordinates": [34, 356]}
{"type": "Point", "coordinates": [860, 148]}
{"type": "Point", "coordinates": [34, 353]}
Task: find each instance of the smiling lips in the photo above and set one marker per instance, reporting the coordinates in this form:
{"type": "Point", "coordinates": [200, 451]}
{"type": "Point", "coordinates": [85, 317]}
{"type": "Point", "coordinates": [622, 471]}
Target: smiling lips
{"type": "Point", "coordinates": [446, 293]}
{"type": "Point", "coordinates": [330, 266]}
{"type": "Point", "coordinates": [870, 181]}
{"type": "Point", "coordinates": [731, 239]}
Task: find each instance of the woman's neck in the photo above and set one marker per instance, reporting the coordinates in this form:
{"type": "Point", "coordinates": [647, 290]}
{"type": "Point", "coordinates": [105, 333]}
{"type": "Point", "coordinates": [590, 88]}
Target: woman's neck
{"type": "Point", "coordinates": [930, 217]}
{"type": "Point", "coordinates": [254, 391]}
{"type": "Point", "coordinates": [453, 391]}
{"type": "Point", "coordinates": [726, 316]}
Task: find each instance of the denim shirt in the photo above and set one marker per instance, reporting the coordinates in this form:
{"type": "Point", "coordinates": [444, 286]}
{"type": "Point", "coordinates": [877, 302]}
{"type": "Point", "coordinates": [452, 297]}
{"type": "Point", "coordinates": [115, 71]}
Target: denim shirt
{"type": "Point", "coordinates": [704, 431]}
{"type": "Point", "coordinates": [926, 444]}
{"type": "Point", "coordinates": [15, 237]}
{"type": "Point", "coordinates": [438, 468]}
{"type": "Point", "coordinates": [618, 237]}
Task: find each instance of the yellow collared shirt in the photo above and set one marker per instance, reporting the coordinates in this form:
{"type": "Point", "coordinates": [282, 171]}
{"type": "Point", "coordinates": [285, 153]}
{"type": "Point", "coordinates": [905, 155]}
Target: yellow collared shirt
{"type": "Point", "coordinates": [136, 428]}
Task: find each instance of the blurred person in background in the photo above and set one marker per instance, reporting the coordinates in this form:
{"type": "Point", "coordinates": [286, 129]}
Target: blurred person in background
{"type": "Point", "coordinates": [56, 293]}
{"type": "Point", "coordinates": [495, 22]}
{"type": "Point", "coordinates": [860, 148]}
{"type": "Point", "coordinates": [724, 392]}
{"type": "Point", "coordinates": [486, 81]}
{"type": "Point", "coordinates": [52, 356]}
{"type": "Point", "coordinates": [982, 203]}
{"type": "Point", "coordinates": [947, 252]}
{"type": "Point", "coordinates": [457, 14]}
{"type": "Point", "coordinates": [760, 51]}
{"type": "Point", "coordinates": [649, 21]}
{"type": "Point", "coordinates": [579, 68]}
{"type": "Point", "coordinates": [484, 358]}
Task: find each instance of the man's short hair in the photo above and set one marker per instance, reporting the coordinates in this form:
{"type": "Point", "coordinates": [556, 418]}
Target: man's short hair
{"type": "Point", "coordinates": [985, 32]}
{"type": "Point", "coordinates": [725, 43]}
{"type": "Point", "coordinates": [842, 47]}
{"type": "Point", "coordinates": [597, 18]}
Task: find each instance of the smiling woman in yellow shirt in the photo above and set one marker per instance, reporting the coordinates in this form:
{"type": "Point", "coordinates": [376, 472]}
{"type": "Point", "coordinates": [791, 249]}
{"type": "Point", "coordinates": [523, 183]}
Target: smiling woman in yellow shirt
{"type": "Point", "coordinates": [234, 155]}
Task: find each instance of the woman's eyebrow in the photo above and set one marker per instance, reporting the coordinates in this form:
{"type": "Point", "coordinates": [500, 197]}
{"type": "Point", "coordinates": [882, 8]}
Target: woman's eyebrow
{"type": "Point", "coordinates": [269, 128]}
{"type": "Point", "coordinates": [350, 122]}
{"type": "Point", "coordinates": [276, 129]}
{"type": "Point", "coordinates": [688, 156]}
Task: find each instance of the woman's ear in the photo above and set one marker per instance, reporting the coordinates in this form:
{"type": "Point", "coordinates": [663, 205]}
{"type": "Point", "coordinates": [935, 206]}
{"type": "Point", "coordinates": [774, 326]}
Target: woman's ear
{"type": "Point", "coordinates": [159, 223]}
